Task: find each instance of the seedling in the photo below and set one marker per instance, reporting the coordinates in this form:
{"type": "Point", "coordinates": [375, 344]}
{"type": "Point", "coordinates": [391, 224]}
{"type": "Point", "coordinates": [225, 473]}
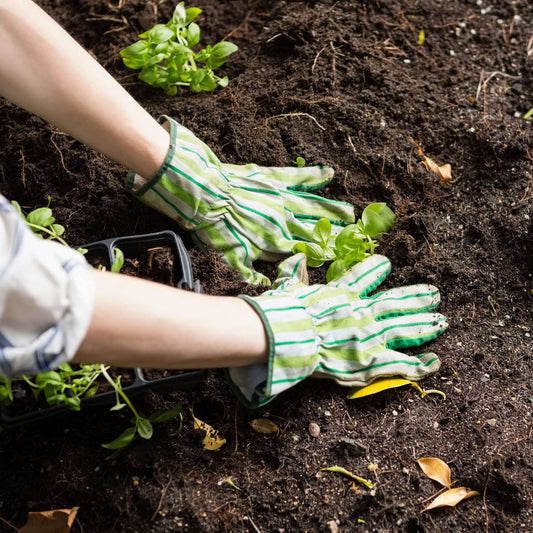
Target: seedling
{"type": "Point", "coordinates": [351, 245]}
{"type": "Point", "coordinates": [299, 162]}
{"type": "Point", "coordinates": [165, 57]}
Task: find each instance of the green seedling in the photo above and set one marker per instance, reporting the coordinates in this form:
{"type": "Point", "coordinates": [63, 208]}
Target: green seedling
{"type": "Point", "coordinates": [299, 162]}
{"type": "Point", "coordinates": [118, 261]}
{"type": "Point", "coordinates": [165, 57]}
{"type": "Point", "coordinates": [351, 245]}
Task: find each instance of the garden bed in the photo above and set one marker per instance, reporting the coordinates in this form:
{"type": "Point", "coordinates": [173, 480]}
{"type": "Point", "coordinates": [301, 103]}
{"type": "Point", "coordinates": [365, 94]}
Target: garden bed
{"type": "Point", "coordinates": [357, 86]}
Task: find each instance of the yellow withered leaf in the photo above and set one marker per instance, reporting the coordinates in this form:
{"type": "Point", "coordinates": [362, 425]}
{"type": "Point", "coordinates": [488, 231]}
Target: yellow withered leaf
{"type": "Point", "coordinates": [451, 498]}
{"type": "Point", "coordinates": [212, 440]}
{"type": "Point", "coordinates": [444, 171]}
{"type": "Point", "coordinates": [56, 521]}
{"type": "Point", "coordinates": [264, 425]}
{"type": "Point", "coordinates": [345, 472]}
{"type": "Point", "coordinates": [436, 469]}
{"type": "Point", "coordinates": [378, 386]}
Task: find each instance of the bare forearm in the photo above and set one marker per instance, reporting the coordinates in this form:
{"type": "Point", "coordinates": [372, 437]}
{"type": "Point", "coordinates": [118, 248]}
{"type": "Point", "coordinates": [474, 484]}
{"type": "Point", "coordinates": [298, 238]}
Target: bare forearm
{"type": "Point", "coordinates": [46, 72]}
{"type": "Point", "coordinates": [138, 323]}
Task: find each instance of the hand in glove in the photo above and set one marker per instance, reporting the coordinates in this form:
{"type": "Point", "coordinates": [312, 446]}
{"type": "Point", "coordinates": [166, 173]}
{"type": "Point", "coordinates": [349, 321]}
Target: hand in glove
{"type": "Point", "coordinates": [245, 212]}
{"type": "Point", "coordinates": [339, 331]}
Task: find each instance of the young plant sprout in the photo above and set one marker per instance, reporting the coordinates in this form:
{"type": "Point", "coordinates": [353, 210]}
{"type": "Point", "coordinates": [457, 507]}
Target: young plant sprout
{"type": "Point", "coordinates": [165, 57]}
{"type": "Point", "coordinates": [351, 245]}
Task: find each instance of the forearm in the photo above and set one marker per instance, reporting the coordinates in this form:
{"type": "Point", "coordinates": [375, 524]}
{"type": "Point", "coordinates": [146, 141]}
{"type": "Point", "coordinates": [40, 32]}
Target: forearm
{"type": "Point", "coordinates": [138, 323]}
{"type": "Point", "coordinates": [47, 73]}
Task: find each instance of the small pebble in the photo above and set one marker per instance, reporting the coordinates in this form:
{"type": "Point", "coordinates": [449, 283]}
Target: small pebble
{"type": "Point", "coordinates": [327, 413]}
{"type": "Point", "coordinates": [333, 527]}
{"type": "Point", "coordinates": [491, 422]}
{"type": "Point", "coordinates": [314, 429]}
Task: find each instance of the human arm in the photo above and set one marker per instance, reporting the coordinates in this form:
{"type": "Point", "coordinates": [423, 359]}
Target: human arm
{"type": "Point", "coordinates": [245, 212]}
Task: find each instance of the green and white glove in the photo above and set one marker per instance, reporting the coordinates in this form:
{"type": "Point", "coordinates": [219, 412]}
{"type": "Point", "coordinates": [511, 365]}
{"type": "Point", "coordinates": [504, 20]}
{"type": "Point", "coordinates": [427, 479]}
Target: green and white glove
{"type": "Point", "coordinates": [338, 331]}
{"type": "Point", "coordinates": [244, 212]}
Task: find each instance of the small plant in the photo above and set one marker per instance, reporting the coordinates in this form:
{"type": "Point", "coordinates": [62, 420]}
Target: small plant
{"type": "Point", "coordinates": [299, 162]}
{"type": "Point", "coordinates": [166, 59]}
{"type": "Point", "coordinates": [351, 245]}
{"type": "Point", "coordinates": [67, 385]}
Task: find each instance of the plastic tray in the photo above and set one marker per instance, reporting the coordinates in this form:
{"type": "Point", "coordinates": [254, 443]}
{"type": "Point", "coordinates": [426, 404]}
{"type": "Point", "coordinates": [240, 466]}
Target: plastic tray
{"type": "Point", "coordinates": [131, 246]}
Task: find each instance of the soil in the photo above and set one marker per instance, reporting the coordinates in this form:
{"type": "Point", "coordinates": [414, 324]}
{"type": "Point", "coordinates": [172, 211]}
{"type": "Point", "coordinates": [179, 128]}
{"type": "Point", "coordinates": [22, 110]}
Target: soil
{"type": "Point", "coordinates": [347, 84]}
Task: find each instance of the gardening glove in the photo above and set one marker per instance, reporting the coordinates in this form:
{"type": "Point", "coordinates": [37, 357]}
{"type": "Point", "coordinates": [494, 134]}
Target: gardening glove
{"type": "Point", "coordinates": [339, 331]}
{"type": "Point", "coordinates": [244, 212]}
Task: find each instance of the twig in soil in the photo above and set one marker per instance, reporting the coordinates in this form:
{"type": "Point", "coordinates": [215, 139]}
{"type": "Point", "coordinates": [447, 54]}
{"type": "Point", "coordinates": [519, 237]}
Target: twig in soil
{"type": "Point", "coordinates": [529, 48]}
{"type": "Point", "coordinates": [251, 522]}
{"type": "Point", "coordinates": [60, 154]}
{"type": "Point", "coordinates": [488, 474]}
{"type": "Point", "coordinates": [357, 156]}
{"type": "Point", "coordinates": [482, 85]}
{"type": "Point", "coordinates": [163, 493]}
{"type": "Point", "coordinates": [8, 523]}
{"type": "Point", "coordinates": [23, 171]}
{"type": "Point", "coordinates": [286, 115]}
{"type": "Point", "coordinates": [316, 58]}
{"type": "Point", "coordinates": [95, 17]}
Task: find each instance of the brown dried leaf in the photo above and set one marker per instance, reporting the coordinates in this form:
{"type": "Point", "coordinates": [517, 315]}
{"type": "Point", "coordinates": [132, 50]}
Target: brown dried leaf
{"type": "Point", "coordinates": [264, 425]}
{"type": "Point", "coordinates": [444, 171]}
{"type": "Point", "coordinates": [436, 469]}
{"type": "Point", "coordinates": [451, 498]}
{"type": "Point", "coordinates": [56, 521]}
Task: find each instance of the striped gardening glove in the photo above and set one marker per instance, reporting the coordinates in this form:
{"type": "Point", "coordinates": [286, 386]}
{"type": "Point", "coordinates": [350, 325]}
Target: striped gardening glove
{"type": "Point", "coordinates": [244, 212]}
{"type": "Point", "coordinates": [338, 331]}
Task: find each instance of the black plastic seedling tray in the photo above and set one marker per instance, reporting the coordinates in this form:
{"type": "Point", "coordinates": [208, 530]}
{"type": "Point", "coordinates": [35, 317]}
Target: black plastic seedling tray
{"type": "Point", "coordinates": [132, 246]}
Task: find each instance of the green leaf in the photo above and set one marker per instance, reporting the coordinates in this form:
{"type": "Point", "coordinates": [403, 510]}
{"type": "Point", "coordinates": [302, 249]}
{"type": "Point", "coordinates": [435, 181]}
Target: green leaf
{"type": "Point", "coordinates": [144, 427]}
{"type": "Point", "coordinates": [322, 231]}
{"type": "Point", "coordinates": [118, 406]}
{"type": "Point", "coordinates": [377, 219]}
{"type": "Point", "coordinates": [208, 83]}
{"type": "Point", "coordinates": [193, 34]}
{"type": "Point", "coordinates": [224, 49]}
{"type": "Point", "coordinates": [300, 162]}
{"type": "Point", "coordinates": [314, 253]}
{"type": "Point", "coordinates": [164, 416]}
{"type": "Point", "coordinates": [41, 217]}
{"type": "Point", "coordinates": [158, 34]}
{"type": "Point", "coordinates": [58, 229]}
{"type": "Point", "coordinates": [18, 209]}
{"type": "Point", "coordinates": [118, 261]}
{"type": "Point", "coordinates": [51, 377]}
{"type": "Point", "coordinates": [179, 16]}
{"type": "Point", "coordinates": [137, 49]}
{"type": "Point", "coordinates": [335, 270]}
{"type": "Point", "coordinates": [123, 440]}
{"type": "Point", "coordinates": [73, 403]}
{"type": "Point", "coordinates": [191, 13]}
{"type": "Point", "coordinates": [223, 82]}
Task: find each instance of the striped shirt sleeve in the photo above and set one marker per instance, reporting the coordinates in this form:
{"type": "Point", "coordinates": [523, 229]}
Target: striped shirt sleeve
{"type": "Point", "coordinates": [46, 299]}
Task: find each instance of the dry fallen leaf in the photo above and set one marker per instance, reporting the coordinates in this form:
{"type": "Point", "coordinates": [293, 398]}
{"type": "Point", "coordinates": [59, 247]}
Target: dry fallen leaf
{"type": "Point", "coordinates": [264, 425]}
{"type": "Point", "coordinates": [212, 440]}
{"type": "Point", "coordinates": [56, 521]}
{"type": "Point", "coordinates": [451, 498]}
{"type": "Point", "coordinates": [436, 469]}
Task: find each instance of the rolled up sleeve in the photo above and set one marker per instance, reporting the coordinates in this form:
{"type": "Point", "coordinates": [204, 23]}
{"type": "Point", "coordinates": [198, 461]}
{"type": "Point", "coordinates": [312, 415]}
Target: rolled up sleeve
{"type": "Point", "coordinates": [46, 298]}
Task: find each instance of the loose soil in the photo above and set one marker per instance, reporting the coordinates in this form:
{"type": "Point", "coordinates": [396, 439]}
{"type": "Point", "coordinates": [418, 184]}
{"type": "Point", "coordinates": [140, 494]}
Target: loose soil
{"type": "Point", "coordinates": [345, 84]}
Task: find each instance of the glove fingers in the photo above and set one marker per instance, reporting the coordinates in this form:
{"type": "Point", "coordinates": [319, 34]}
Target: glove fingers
{"type": "Point", "coordinates": [294, 178]}
{"type": "Point", "coordinates": [400, 301]}
{"type": "Point", "coordinates": [309, 207]}
{"type": "Point", "coordinates": [387, 363]}
{"type": "Point", "coordinates": [403, 331]}
{"type": "Point", "coordinates": [292, 271]}
{"type": "Point", "coordinates": [366, 275]}
{"type": "Point", "coordinates": [234, 249]}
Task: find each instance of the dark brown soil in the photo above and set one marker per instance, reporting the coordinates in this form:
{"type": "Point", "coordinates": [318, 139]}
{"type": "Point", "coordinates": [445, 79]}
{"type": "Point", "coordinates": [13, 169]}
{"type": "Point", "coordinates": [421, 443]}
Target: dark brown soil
{"type": "Point", "coordinates": [345, 84]}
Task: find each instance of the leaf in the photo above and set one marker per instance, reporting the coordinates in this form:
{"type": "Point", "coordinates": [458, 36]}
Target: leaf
{"type": "Point", "coordinates": [264, 425]}
{"type": "Point", "coordinates": [421, 37]}
{"type": "Point", "coordinates": [41, 217]}
{"type": "Point", "coordinates": [122, 440]}
{"type": "Point", "coordinates": [345, 472]}
{"type": "Point", "coordinates": [224, 49]}
{"type": "Point", "coordinates": [451, 498]}
{"type": "Point", "coordinates": [314, 253]}
{"type": "Point", "coordinates": [322, 231]}
{"type": "Point", "coordinates": [56, 521]}
{"type": "Point", "coordinates": [378, 386]}
{"type": "Point", "coordinates": [377, 218]}
{"type": "Point", "coordinates": [212, 440]}
{"type": "Point", "coordinates": [144, 428]}
{"type": "Point", "coordinates": [118, 261]}
{"type": "Point", "coordinates": [436, 469]}
{"type": "Point", "coordinates": [166, 415]}
{"type": "Point", "coordinates": [444, 171]}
